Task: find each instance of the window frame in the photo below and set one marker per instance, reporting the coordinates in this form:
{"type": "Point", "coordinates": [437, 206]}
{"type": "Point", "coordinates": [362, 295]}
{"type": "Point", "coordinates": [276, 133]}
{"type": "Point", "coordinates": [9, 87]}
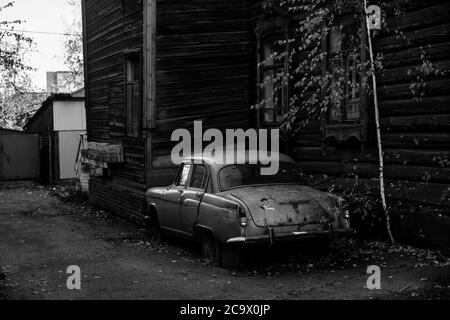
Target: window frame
{"type": "Point", "coordinates": [275, 29]}
{"type": "Point", "coordinates": [176, 183]}
{"type": "Point", "coordinates": [128, 55]}
{"type": "Point", "coordinates": [205, 177]}
{"type": "Point", "coordinates": [343, 54]}
{"type": "Point", "coordinates": [347, 128]}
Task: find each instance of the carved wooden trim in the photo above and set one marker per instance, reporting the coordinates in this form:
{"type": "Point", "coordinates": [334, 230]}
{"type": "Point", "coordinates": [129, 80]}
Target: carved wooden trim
{"type": "Point", "coordinates": [272, 25]}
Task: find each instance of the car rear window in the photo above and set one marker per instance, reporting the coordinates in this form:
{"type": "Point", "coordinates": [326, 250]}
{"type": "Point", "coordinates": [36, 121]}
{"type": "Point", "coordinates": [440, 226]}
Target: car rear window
{"type": "Point", "coordinates": [250, 174]}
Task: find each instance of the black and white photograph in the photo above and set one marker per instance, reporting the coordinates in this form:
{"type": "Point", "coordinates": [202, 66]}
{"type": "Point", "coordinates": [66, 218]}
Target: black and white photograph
{"type": "Point", "coordinates": [224, 155]}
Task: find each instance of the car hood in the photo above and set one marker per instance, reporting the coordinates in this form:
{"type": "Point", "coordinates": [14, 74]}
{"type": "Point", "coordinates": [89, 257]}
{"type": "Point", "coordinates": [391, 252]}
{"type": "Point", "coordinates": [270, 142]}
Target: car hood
{"type": "Point", "coordinates": [286, 205]}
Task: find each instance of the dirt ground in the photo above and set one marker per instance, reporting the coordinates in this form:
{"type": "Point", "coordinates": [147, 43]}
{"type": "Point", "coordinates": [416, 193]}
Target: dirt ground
{"type": "Point", "coordinates": [44, 230]}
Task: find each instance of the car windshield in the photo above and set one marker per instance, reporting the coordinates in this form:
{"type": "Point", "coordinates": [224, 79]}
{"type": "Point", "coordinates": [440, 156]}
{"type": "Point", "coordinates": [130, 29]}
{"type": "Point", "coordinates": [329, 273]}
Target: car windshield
{"type": "Point", "coordinates": [250, 174]}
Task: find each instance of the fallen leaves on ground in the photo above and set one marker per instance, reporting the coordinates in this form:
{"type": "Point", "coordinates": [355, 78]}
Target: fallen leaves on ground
{"type": "Point", "coordinates": [344, 253]}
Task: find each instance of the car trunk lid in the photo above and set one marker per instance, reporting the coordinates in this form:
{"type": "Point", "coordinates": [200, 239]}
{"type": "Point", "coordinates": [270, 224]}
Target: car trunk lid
{"type": "Point", "coordinates": [285, 205]}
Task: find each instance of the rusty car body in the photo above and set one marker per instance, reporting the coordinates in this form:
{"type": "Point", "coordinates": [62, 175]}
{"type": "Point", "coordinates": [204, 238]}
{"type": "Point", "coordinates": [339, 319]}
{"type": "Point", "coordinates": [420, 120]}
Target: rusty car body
{"type": "Point", "coordinates": [228, 206]}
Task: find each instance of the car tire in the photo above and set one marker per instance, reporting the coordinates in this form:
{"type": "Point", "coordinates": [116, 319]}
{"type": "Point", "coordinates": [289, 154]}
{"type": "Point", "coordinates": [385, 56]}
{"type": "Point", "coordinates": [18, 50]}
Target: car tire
{"type": "Point", "coordinates": [322, 247]}
{"type": "Point", "coordinates": [211, 249]}
{"type": "Point", "coordinates": [153, 227]}
{"type": "Point", "coordinates": [230, 256]}
{"type": "Point", "coordinates": [157, 234]}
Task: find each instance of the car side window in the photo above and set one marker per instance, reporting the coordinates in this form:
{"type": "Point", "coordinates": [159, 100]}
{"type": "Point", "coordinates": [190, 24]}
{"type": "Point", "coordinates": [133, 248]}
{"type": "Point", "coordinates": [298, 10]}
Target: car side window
{"type": "Point", "coordinates": [198, 179]}
{"type": "Point", "coordinates": [184, 175]}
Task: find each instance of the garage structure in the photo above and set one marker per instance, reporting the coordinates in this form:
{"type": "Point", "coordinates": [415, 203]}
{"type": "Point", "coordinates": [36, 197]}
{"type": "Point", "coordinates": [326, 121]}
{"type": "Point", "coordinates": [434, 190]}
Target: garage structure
{"type": "Point", "coordinates": [19, 155]}
{"type": "Point", "coordinates": [61, 122]}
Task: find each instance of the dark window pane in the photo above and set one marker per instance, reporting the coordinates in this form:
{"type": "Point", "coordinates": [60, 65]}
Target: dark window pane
{"type": "Point", "coordinates": [129, 107]}
{"type": "Point", "coordinates": [133, 95]}
{"type": "Point", "coordinates": [198, 177]}
{"type": "Point", "coordinates": [184, 175]}
{"type": "Point", "coordinates": [248, 174]}
{"type": "Point", "coordinates": [268, 96]}
{"type": "Point", "coordinates": [133, 72]}
{"type": "Point", "coordinates": [337, 88]}
{"type": "Point", "coordinates": [136, 70]}
{"type": "Point", "coordinates": [274, 93]}
{"type": "Point", "coordinates": [353, 111]}
{"type": "Point", "coordinates": [343, 64]}
{"type": "Point", "coordinates": [129, 71]}
{"type": "Point", "coordinates": [136, 109]}
{"type": "Point", "coordinates": [336, 40]}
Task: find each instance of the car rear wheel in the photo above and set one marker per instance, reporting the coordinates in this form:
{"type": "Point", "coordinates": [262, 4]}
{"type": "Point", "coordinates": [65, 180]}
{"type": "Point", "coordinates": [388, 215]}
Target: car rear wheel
{"type": "Point", "coordinates": [322, 247]}
{"type": "Point", "coordinates": [230, 256]}
{"type": "Point", "coordinates": [211, 249]}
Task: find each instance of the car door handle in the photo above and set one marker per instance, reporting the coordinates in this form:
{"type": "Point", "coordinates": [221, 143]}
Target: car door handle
{"type": "Point", "coordinates": [199, 194]}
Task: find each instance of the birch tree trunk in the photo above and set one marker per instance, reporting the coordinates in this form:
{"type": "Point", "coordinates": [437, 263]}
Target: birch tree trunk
{"type": "Point", "coordinates": [378, 128]}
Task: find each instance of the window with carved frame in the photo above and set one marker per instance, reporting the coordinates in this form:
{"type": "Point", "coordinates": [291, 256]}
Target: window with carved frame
{"type": "Point", "coordinates": [273, 62]}
{"type": "Point", "coordinates": [346, 116]}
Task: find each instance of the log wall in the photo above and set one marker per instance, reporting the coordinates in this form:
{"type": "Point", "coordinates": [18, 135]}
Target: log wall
{"type": "Point", "coordinates": [202, 72]}
{"type": "Point", "coordinates": [205, 70]}
{"type": "Point", "coordinates": [112, 27]}
{"type": "Point", "coordinates": [415, 115]}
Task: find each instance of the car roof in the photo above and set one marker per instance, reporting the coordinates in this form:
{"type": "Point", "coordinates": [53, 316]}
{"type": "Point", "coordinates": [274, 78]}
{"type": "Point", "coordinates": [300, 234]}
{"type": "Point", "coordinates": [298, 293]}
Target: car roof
{"type": "Point", "coordinates": [212, 161]}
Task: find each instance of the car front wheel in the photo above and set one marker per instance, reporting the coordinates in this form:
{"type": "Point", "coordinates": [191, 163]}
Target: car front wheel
{"type": "Point", "coordinates": [153, 227]}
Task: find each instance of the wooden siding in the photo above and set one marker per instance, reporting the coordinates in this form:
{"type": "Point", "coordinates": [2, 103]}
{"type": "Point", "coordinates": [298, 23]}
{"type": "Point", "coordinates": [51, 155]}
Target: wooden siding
{"type": "Point", "coordinates": [416, 132]}
{"type": "Point", "coordinates": [112, 27]}
{"type": "Point", "coordinates": [202, 71]}
{"type": "Point", "coordinates": [205, 69]}
{"type": "Point", "coordinates": [118, 197]}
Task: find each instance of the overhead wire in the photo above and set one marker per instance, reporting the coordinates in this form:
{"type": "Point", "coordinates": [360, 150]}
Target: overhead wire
{"type": "Point", "coordinates": [40, 32]}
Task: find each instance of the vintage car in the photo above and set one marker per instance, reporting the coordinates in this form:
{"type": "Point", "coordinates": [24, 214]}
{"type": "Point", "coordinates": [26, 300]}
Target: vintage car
{"type": "Point", "coordinates": [228, 206]}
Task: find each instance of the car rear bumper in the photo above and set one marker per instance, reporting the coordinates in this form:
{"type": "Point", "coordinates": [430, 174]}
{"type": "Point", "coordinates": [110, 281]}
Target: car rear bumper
{"type": "Point", "coordinates": [272, 237]}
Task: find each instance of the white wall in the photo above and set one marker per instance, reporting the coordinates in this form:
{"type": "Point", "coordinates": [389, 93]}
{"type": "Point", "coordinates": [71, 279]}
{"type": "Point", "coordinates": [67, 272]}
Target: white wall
{"type": "Point", "coordinates": [69, 123]}
{"type": "Point", "coordinates": [69, 141]}
{"type": "Point", "coordinates": [69, 116]}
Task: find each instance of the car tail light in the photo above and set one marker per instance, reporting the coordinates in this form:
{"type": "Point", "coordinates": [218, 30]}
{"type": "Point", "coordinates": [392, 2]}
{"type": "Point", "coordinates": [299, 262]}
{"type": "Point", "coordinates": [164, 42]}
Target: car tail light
{"type": "Point", "coordinates": [346, 219]}
{"type": "Point", "coordinates": [347, 214]}
{"type": "Point", "coordinates": [242, 217]}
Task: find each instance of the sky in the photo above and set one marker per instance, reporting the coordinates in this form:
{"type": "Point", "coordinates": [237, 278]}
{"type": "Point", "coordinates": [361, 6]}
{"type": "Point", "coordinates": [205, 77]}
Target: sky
{"type": "Point", "coordinates": [42, 16]}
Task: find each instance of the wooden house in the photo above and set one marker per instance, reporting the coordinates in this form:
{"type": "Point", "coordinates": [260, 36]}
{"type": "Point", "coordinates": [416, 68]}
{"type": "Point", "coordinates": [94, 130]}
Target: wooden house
{"type": "Point", "coordinates": [153, 66]}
